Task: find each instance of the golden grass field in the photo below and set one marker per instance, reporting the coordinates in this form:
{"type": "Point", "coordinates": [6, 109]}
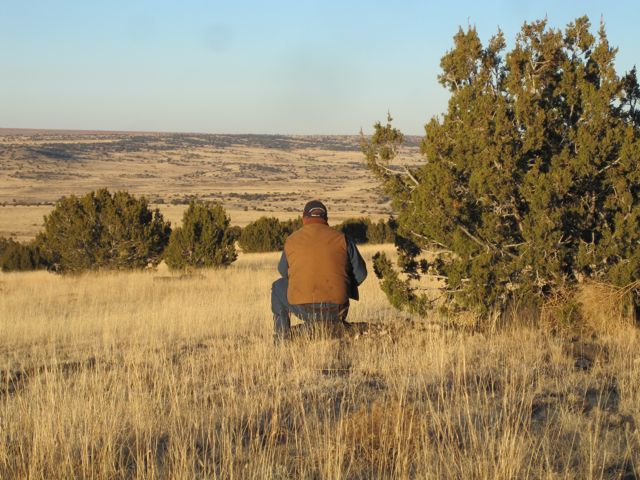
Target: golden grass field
{"type": "Point", "coordinates": [251, 175]}
{"type": "Point", "coordinates": [160, 375]}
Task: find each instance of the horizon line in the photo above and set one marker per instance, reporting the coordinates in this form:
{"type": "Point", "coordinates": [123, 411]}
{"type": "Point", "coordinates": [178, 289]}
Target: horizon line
{"type": "Point", "coordinates": [10, 131]}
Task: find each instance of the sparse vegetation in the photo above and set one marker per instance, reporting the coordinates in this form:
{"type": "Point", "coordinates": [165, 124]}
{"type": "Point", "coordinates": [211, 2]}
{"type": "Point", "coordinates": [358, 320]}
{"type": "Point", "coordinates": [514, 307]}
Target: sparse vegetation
{"type": "Point", "coordinates": [205, 238]}
{"type": "Point", "coordinates": [532, 183]}
{"type": "Point", "coordinates": [276, 174]}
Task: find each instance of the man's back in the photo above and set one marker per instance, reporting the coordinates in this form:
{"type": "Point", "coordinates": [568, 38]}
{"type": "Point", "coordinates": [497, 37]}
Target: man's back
{"type": "Point", "coordinates": [318, 265]}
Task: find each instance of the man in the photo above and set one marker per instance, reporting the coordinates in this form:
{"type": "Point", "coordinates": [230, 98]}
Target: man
{"type": "Point", "coordinates": [321, 270]}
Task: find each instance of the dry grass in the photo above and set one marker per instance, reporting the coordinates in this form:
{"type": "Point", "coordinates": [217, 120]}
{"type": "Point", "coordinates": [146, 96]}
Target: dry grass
{"type": "Point", "coordinates": [153, 375]}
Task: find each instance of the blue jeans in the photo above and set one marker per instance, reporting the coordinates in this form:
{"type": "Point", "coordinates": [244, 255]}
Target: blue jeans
{"type": "Point", "coordinates": [309, 313]}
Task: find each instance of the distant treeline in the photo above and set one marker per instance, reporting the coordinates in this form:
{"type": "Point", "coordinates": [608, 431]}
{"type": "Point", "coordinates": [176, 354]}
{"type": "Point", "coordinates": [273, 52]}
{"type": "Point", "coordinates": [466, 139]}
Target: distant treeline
{"type": "Point", "coordinates": [101, 230]}
{"type": "Point", "coordinates": [268, 234]}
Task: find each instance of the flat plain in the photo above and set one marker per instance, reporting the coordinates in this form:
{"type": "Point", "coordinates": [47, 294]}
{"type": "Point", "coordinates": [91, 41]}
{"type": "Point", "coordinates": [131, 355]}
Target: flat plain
{"type": "Point", "coordinates": [251, 175]}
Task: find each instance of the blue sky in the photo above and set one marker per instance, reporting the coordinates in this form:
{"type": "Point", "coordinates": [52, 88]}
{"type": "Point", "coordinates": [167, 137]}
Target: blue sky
{"type": "Point", "coordinates": [290, 67]}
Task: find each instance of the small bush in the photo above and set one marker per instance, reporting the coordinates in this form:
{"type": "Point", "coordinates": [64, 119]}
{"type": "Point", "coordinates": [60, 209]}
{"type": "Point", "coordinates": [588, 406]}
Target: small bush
{"type": "Point", "coordinates": [355, 228]}
{"type": "Point", "coordinates": [382, 232]}
{"type": "Point", "coordinates": [19, 257]}
{"type": "Point", "coordinates": [267, 234]}
{"type": "Point", "coordinates": [103, 230]}
{"type": "Point", "coordinates": [363, 230]}
{"type": "Point", "coordinates": [205, 238]}
{"type": "Point", "coordinates": [234, 232]}
{"type": "Point", "coordinates": [292, 225]}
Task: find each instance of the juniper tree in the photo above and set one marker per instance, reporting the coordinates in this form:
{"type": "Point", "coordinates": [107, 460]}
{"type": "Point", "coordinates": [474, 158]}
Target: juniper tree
{"type": "Point", "coordinates": [205, 238]}
{"type": "Point", "coordinates": [356, 229]}
{"type": "Point", "coordinates": [531, 179]}
{"type": "Point", "coordinates": [19, 257]}
{"type": "Point", "coordinates": [266, 234]}
{"type": "Point", "coordinates": [363, 230]}
{"type": "Point", "coordinates": [381, 231]}
{"type": "Point", "coordinates": [103, 230]}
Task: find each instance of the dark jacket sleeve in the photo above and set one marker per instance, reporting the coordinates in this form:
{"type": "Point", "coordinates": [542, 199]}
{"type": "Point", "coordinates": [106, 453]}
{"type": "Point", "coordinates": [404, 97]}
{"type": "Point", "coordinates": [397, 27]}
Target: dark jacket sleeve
{"type": "Point", "coordinates": [357, 268]}
{"type": "Point", "coordinates": [283, 266]}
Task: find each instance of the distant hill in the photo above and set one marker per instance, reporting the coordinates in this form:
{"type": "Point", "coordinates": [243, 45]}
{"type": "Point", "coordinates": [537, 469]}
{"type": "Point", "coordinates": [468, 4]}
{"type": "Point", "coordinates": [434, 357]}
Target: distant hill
{"type": "Point", "coordinates": [284, 142]}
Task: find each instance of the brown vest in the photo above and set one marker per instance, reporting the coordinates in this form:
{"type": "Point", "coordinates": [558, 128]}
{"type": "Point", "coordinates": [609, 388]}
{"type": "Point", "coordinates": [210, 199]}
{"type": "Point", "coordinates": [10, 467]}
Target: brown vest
{"type": "Point", "coordinates": [317, 258]}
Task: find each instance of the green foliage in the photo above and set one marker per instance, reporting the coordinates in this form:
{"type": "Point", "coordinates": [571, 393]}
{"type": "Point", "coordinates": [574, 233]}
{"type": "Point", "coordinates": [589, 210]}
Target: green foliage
{"type": "Point", "coordinates": [363, 230]}
{"type": "Point", "coordinates": [355, 228]}
{"type": "Point", "coordinates": [103, 230]}
{"type": "Point", "coordinates": [399, 292]}
{"type": "Point", "coordinates": [234, 232]}
{"type": "Point", "coordinates": [267, 234]}
{"type": "Point", "coordinates": [205, 238]}
{"type": "Point", "coordinates": [292, 225]}
{"type": "Point", "coordinates": [19, 257]}
{"type": "Point", "coordinates": [382, 232]}
{"type": "Point", "coordinates": [531, 179]}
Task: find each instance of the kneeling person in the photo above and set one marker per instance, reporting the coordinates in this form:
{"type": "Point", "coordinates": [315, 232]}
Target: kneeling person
{"type": "Point", "coordinates": [321, 269]}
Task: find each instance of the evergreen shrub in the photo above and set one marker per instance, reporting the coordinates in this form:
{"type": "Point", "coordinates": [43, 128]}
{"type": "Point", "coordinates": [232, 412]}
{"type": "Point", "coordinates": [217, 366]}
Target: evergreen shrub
{"type": "Point", "coordinates": [205, 238]}
{"type": "Point", "coordinates": [531, 179]}
{"type": "Point", "coordinates": [267, 234]}
{"type": "Point", "coordinates": [101, 230]}
{"type": "Point", "coordinates": [20, 257]}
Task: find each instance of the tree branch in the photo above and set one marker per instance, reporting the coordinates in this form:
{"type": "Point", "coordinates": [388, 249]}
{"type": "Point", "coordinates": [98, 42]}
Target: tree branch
{"type": "Point", "coordinates": [480, 242]}
{"type": "Point", "coordinates": [612, 164]}
{"type": "Point", "coordinates": [472, 237]}
{"type": "Point", "coordinates": [434, 242]}
{"type": "Point", "coordinates": [410, 175]}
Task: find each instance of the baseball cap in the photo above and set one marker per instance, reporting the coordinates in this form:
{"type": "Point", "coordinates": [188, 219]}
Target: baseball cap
{"type": "Point", "coordinates": [315, 209]}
